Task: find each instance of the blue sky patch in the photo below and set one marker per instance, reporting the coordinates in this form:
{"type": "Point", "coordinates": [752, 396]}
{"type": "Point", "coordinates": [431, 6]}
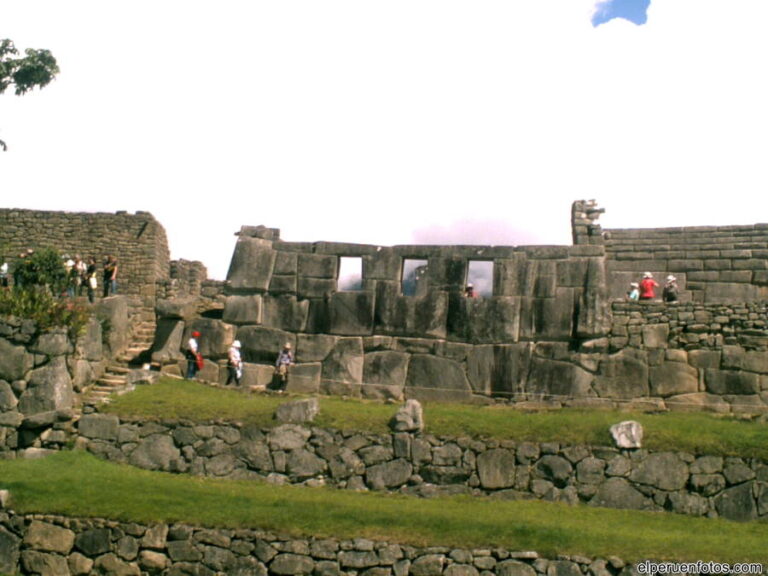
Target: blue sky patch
{"type": "Point", "coordinates": [636, 11]}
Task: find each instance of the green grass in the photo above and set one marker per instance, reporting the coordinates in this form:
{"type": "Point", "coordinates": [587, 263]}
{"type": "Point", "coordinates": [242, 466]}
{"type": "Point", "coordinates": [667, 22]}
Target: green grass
{"type": "Point", "coordinates": [689, 432]}
{"type": "Point", "coordinates": [77, 484]}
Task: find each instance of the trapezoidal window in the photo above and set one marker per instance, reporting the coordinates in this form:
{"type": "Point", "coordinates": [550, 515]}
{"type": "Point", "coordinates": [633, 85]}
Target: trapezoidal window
{"type": "Point", "coordinates": [414, 281]}
{"type": "Point", "coordinates": [350, 273]}
{"type": "Point", "coordinates": [479, 279]}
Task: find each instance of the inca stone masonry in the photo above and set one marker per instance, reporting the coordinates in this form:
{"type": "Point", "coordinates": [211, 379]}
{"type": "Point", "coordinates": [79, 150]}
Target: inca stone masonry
{"type": "Point", "coordinates": [553, 324]}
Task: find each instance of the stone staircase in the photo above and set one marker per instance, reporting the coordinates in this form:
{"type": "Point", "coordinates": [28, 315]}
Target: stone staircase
{"type": "Point", "coordinates": [114, 379]}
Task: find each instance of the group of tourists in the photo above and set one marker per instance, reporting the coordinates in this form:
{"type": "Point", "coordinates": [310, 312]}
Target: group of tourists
{"type": "Point", "coordinates": [646, 289]}
{"type": "Point", "coordinates": [235, 361]}
{"type": "Point", "coordinates": [80, 275]}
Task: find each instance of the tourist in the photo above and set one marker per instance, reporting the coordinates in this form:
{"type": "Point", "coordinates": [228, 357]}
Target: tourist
{"type": "Point", "coordinates": [669, 293]}
{"type": "Point", "coordinates": [110, 276]}
{"type": "Point", "coordinates": [283, 363]}
{"type": "Point", "coordinates": [192, 353]}
{"type": "Point", "coordinates": [71, 278]}
{"type": "Point", "coordinates": [634, 292]}
{"type": "Point", "coordinates": [91, 281]}
{"type": "Point", "coordinates": [81, 269]}
{"type": "Point", "coordinates": [469, 291]}
{"type": "Point", "coordinates": [4, 275]}
{"type": "Point", "coordinates": [647, 287]}
{"type": "Point", "coordinates": [234, 364]}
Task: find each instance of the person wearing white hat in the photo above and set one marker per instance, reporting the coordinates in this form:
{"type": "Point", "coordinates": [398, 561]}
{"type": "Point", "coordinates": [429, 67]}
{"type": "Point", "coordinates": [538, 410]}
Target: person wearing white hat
{"type": "Point", "coordinates": [234, 364]}
{"type": "Point", "coordinates": [669, 293]}
{"type": "Point", "coordinates": [647, 287]}
{"type": "Point", "coordinates": [283, 363]}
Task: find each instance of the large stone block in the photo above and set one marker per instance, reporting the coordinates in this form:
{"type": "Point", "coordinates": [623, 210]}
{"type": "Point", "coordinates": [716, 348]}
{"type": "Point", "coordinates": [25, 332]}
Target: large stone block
{"type": "Point", "coordinates": [287, 263]}
{"type": "Point", "coordinates": [314, 347]}
{"type": "Point", "coordinates": [496, 468]}
{"type": "Point", "coordinates": [492, 320]}
{"type": "Point", "coordinates": [286, 313]}
{"type": "Point", "coordinates": [243, 309]}
{"type": "Point", "coordinates": [656, 335]}
{"type": "Point", "coordinates": [548, 318]}
{"type": "Point", "coordinates": [623, 375]}
{"type": "Point", "coordinates": [551, 377]}
{"type": "Point", "coordinates": [252, 265]}
{"type": "Point", "coordinates": [594, 310]}
{"type": "Point", "coordinates": [618, 493]}
{"type": "Point", "coordinates": [262, 344]}
{"type": "Point", "coordinates": [48, 389]}
{"type": "Point", "coordinates": [168, 340]}
{"type": "Point", "coordinates": [724, 292]}
{"type": "Point", "coordinates": [384, 264]}
{"type": "Point", "coordinates": [673, 378]}
{"type": "Point", "coordinates": [89, 343]}
{"type": "Point", "coordinates": [15, 362]}
{"type": "Point", "coordinates": [215, 339]}
{"type": "Point", "coordinates": [304, 378]}
{"type": "Point", "coordinates": [156, 452]}
{"type": "Point", "coordinates": [432, 378]}
{"type": "Point", "coordinates": [318, 266]}
{"type": "Point", "coordinates": [283, 284]}
{"type": "Point", "coordinates": [112, 312]}
{"type": "Point", "coordinates": [731, 382]}
{"type": "Point", "coordinates": [351, 313]}
{"type": "Point", "coordinates": [177, 308]}
{"type": "Point", "coordinates": [663, 470]}
{"type": "Point", "coordinates": [343, 368]}
{"type": "Point", "coordinates": [384, 374]}
{"type": "Point", "coordinates": [308, 287]}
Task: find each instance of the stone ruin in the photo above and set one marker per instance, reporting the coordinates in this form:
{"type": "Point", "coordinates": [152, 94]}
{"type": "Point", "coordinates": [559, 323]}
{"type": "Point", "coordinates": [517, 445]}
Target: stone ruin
{"type": "Point", "coordinates": [548, 323]}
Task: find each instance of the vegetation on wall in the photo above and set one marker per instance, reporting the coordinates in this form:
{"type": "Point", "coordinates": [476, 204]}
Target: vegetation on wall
{"type": "Point", "coordinates": [44, 310]}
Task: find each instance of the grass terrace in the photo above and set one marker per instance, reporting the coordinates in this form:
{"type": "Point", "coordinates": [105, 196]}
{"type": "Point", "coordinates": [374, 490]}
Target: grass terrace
{"type": "Point", "coordinates": [697, 433]}
{"type": "Point", "coordinates": [78, 484]}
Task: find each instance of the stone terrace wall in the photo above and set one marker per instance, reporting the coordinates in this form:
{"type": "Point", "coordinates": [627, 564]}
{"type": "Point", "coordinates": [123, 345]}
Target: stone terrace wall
{"type": "Point", "coordinates": [137, 240]}
{"type": "Point", "coordinates": [426, 465]}
{"type": "Point", "coordinates": [712, 264]}
{"type": "Point", "coordinates": [46, 544]}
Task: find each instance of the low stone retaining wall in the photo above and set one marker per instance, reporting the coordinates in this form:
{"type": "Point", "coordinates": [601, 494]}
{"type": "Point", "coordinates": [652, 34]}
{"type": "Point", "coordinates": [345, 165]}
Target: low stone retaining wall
{"type": "Point", "coordinates": [425, 465]}
{"type": "Point", "coordinates": [35, 544]}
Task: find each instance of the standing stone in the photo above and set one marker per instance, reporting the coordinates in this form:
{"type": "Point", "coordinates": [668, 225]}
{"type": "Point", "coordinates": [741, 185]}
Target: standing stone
{"type": "Point", "coordinates": [409, 418]}
{"type": "Point", "coordinates": [627, 434]}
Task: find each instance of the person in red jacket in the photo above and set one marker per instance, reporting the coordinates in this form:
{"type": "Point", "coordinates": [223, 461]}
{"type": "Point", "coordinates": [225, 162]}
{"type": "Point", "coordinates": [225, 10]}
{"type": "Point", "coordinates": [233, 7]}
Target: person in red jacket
{"type": "Point", "coordinates": [647, 287]}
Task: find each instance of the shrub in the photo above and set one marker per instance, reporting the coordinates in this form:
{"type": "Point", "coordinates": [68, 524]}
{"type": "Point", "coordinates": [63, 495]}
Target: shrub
{"type": "Point", "coordinates": [44, 310]}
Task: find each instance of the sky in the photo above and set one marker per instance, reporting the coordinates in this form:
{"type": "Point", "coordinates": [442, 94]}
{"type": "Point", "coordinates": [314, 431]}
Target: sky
{"type": "Point", "coordinates": [391, 122]}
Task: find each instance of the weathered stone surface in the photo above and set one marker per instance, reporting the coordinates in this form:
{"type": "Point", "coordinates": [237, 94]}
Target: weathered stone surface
{"type": "Point", "coordinates": [731, 382]}
{"type": "Point", "coordinates": [737, 503]}
{"type": "Point", "coordinates": [555, 469]}
{"type": "Point", "coordinates": [168, 340]}
{"type": "Point", "coordinates": [664, 470]}
{"type": "Point", "coordinates": [304, 464]}
{"type": "Point", "coordinates": [10, 546]}
{"type": "Point", "coordinates": [389, 474]}
{"type": "Point", "coordinates": [428, 565]}
{"type": "Point", "coordinates": [99, 426]}
{"type": "Point", "coordinates": [655, 335]}
{"type": "Point", "coordinates": [285, 312]}
{"type": "Point", "coordinates": [409, 418]}
{"type": "Point", "coordinates": [288, 437]}
{"type": "Point", "coordinates": [8, 400]}
{"type": "Point", "coordinates": [261, 344]}
{"type": "Point", "coordinates": [35, 562]}
{"type": "Point", "coordinates": [496, 468]}
{"type": "Point", "coordinates": [343, 368]}
{"type": "Point", "coordinates": [384, 374]}
{"type": "Point", "coordinates": [673, 378]}
{"type": "Point", "coordinates": [181, 308]}
{"type": "Point", "coordinates": [514, 568]}
{"type": "Point", "coordinates": [627, 434]}
{"type": "Point", "coordinates": [49, 538]}
{"type": "Point", "coordinates": [432, 378]}
{"type": "Point", "coordinates": [252, 264]}
{"type": "Point", "coordinates": [243, 309]}
{"type": "Point", "coordinates": [304, 378]}
{"type": "Point", "coordinates": [314, 347]}
{"type": "Point", "coordinates": [94, 541]}
{"type": "Point", "coordinates": [216, 337]}
{"type": "Point", "coordinates": [351, 313]}
{"type": "Point", "coordinates": [564, 379]}
{"type": "Point", "coordinates": [617, 493]}
{"type": "Point", "coordinates": [623, 375]}
{"type": "Point", "coordinates": [291, 564]}
{"type": "Point", "coordinates": [49, 388]}
{"type": "Point", "coordinates": [155, 452]}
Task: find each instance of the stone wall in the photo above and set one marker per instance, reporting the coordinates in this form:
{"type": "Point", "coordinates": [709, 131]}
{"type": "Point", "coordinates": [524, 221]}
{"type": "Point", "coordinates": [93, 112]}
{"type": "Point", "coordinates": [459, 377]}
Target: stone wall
{"type": "Point", "coordinates": [41, 374]}
{"type": "Point", "coordinates": [46, 544]}
{"type": "Point", "coordinates": [712, 264]}
{"type": "Point", "coordinates": [426, 465]}
{"type": "Point", "coordinates": [137, 240]}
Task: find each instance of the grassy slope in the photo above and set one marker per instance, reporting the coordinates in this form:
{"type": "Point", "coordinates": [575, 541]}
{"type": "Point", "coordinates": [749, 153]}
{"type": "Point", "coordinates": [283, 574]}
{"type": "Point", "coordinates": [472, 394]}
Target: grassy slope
{"type": "Point", "coordinates": [78, 484]}
{"type": "Point", "coordinates": [695, 433]}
